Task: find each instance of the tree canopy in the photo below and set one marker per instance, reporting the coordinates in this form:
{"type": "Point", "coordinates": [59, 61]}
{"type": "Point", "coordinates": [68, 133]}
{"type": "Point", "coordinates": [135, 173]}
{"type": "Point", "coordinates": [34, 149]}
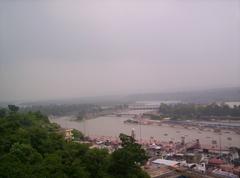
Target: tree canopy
{"type": "Point", "coordinates": [32, 147]}
{"type": "Point", "coordinates": [125, 162]}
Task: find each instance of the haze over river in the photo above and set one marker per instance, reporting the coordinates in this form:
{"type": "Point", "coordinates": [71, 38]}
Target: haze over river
{"type": "Point", "coordinates": [113, 126]}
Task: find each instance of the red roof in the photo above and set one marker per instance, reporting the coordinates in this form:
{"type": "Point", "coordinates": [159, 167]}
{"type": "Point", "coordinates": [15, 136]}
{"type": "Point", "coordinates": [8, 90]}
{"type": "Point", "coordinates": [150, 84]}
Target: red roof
{"type": "Point", "coordinates": [215, 161]}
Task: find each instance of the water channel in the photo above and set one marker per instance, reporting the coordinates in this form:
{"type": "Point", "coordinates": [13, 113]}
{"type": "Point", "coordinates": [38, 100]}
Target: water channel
{"type": "Point", "coordinates": [113, 126]}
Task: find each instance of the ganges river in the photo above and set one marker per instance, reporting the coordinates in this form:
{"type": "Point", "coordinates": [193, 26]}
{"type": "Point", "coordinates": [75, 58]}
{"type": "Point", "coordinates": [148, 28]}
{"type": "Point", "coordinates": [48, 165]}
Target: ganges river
{"type": "Point", "coordinates": [113, 126]}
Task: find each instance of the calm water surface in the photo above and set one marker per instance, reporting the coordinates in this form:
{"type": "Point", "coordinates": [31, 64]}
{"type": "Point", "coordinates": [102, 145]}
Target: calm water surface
{"type": "Point", "coordinates": [113, 126]}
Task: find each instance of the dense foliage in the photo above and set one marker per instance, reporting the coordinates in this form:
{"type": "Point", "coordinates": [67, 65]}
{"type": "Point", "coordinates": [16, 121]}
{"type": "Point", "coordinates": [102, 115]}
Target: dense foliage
{"type": "Point", "coordinates": [199, 111]}
{"type": "Point", "coordinates": [32, 147]}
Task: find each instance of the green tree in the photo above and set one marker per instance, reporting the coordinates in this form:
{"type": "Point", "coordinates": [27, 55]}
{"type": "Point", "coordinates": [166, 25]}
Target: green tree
{"type": "Point", "coordinates": [25, 153]}
{"type": "Point", "coordinates": [52, 166]}
{"type": "Point", "coordinates": [13, 108]}
{"type": "Point", "coordinates": [30, 146]}
{"type": "Point", "coordinates": [11, 167]}
{"type": "Point", "coordinates": [73, 160]}
{"type": "Point", "coordinates": [126, 161]}
{"type": "Point", "coordinates": [97, 162]}
{"type": "Point", "coordinates": [77, 135]}
{"type": "Point", "coordinates": [129, 144]}
{"type": "Point", "coordinates": [2, 112]}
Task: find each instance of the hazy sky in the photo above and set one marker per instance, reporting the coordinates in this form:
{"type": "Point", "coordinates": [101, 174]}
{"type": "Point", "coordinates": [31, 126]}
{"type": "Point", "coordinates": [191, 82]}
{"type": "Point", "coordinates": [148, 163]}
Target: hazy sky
{"type": "Point", "coordinates": [59, 49]}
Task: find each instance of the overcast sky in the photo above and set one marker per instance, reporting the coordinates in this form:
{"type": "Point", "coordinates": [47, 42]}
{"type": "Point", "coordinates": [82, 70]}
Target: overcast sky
{"type": "Point", "coordinates": [63, 49]}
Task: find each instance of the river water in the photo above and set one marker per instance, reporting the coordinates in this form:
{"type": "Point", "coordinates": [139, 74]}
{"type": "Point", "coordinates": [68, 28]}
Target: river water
{"type": "Point", "coordinates": [113, 126]}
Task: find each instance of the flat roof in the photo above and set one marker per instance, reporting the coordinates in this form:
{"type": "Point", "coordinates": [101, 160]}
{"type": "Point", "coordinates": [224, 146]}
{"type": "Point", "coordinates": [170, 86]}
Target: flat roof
{"type": "Point", "coordinates": [165, 162]}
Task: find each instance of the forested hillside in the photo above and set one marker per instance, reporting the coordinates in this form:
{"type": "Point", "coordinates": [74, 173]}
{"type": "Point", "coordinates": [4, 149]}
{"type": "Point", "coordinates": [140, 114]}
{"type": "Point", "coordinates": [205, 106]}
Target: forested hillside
{"type": "Point", "coordinates": [32, 147]}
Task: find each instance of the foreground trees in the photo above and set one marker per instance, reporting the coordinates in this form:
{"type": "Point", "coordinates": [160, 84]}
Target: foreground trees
{"type": "Point", "coordinates": [125, 162]}
{"type": "Point", "coordinates": [30, 146]}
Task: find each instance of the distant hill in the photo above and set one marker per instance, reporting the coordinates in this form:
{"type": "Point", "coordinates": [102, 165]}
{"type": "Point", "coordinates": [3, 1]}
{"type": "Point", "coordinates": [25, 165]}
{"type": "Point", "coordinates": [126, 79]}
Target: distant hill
{"type": "Point", "coordinates": [201, 96]}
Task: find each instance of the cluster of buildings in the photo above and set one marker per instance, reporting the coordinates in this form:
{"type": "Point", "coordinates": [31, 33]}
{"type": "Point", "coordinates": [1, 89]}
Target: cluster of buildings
{"type": "Point", "coordinates": [174, 159]}
{"type": "Point", "coordinates": [191, 160]}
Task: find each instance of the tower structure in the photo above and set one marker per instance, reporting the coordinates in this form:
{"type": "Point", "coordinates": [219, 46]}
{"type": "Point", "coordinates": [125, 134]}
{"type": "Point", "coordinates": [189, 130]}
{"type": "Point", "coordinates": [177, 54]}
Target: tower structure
{"type": "Point", "coordinates": [133, 133]}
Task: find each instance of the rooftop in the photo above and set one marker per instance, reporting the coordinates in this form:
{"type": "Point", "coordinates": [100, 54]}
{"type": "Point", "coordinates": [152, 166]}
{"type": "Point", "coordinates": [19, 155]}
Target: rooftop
{"type": "Point", "coordinates": [165, 162]}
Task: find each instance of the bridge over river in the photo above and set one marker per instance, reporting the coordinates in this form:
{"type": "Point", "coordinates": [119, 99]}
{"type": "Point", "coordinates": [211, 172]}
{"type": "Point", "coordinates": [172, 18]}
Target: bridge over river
{"type": "Point", "coordinates": [143, 106]}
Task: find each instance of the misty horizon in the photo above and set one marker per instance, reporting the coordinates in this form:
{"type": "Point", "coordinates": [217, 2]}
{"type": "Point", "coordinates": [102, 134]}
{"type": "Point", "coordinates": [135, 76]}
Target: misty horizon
{"type": "Point", "coordinates": [201, 96]}
{"type": "Point", "coordinates": [61, 49]}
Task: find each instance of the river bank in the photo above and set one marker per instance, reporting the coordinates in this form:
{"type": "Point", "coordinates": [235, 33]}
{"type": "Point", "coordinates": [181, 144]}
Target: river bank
{"type": "Point", "coordinates": [112, 126]}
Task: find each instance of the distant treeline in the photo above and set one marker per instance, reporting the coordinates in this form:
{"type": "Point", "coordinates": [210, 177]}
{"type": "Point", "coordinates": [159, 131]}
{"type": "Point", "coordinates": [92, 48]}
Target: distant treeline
{"type": "Point", "coordinates": [64, 109]}
{"type": "Point", "coordinates": [201, 96]}
{"type": "Point", "coordinates": [194, 111]}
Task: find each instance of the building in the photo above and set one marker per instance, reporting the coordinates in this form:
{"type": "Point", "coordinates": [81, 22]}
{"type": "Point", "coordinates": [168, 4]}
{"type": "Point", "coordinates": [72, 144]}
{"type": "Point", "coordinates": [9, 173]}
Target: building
{"type": "Point", "coordinates": [69, 135]}
{"type": "Point", "coordinates": [166, 162]}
